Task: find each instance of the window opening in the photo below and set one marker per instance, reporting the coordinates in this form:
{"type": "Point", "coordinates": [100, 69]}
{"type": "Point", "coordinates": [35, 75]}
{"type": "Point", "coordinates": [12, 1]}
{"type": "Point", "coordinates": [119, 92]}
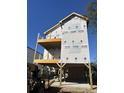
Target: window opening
{"type": "Point", "coordinates": [76, 26]}
{"type": "Point", "coordinates": [85, 58]}
{"type": "Point", "coordinates": [75, 58]}
{"type": "Point", "coordinates": [66, 58]}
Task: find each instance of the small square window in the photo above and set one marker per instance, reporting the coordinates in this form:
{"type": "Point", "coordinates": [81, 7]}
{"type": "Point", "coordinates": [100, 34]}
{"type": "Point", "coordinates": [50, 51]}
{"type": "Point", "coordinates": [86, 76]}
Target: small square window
{"type": "Point", "coordinates": [65, 41]}
{"type": "Point", "coordinates": [72, 41]}
{"type": "Point", "coordinates": [81, 41]}
{"type": "Point", "coordinates": [84, 25]}
{"type": "Point", "coordinates": [75, 58]}
{"type": "Point", "coordinates": [66, 58]}
{"type": "Point", "coordinates": [85, 58]}
{"type": "Point", "coordinates": [76, 26]}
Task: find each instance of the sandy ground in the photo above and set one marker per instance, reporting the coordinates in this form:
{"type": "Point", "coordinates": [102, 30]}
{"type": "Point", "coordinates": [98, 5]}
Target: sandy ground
{"type": "Point", "coordinates": [69, 87]}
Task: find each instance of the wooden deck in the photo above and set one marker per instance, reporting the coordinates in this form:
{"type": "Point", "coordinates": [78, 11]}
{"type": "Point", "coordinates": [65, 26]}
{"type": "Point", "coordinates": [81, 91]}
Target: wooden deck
{"type": "Point", "coordinates": [46, 61]}
{"type": "Point", "coordinates": [50, 43]}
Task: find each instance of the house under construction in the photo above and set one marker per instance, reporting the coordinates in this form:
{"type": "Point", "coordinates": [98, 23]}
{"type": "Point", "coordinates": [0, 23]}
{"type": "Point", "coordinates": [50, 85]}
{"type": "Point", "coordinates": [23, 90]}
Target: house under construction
{"type": "Point", "coordinates": [66, 47]}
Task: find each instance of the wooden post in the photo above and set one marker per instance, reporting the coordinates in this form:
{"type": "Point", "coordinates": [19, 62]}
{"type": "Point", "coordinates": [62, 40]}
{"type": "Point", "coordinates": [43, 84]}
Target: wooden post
{"type": "Point", "coordinates": [60, 76]}
{"type": "Point", "coordinates": [90, 76]}
{"type": "Point", "coordinates": [36, 46]}
{"type": "Point", "coordinates": [60, 68]}
{"type": "Point", "coordinates": [39, 56]}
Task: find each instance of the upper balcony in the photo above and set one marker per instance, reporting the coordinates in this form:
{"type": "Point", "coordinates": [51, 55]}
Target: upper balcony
{"type": "Point", "coordinates": [50, 43]}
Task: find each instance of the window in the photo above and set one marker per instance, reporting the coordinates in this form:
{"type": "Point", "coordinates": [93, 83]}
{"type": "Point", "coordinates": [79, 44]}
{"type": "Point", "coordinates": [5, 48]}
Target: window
{"type": "Point", "coordinates": [65, 41]}
{"type": "Point", "coordinates": [76, 26]}
{"type": "Point", "coordinates": [81, 41]}
{"type": "Point", "coordinates": [75, 58]}
{"type": "Point", "coordinates": [72, 41]}
{"type": "Point", "coordinates": [85, 58]}
{"type": "Point", "coordinates": [66, 58]}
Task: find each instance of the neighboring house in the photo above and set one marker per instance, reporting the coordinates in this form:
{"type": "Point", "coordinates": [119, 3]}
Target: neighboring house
{"type": "Point", "coordinates": [30, 55]}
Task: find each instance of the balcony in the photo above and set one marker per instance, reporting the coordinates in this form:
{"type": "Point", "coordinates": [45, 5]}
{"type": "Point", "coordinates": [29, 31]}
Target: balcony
{"type": "Point", "coordinates": [50, 43]}
{"type": "Point", "coordinates": [47, 44]}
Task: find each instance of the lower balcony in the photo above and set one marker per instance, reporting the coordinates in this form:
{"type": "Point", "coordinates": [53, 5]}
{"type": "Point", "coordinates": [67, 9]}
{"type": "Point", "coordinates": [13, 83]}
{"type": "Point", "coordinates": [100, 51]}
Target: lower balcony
{"type": "Point", "coordinates": [46, 61]}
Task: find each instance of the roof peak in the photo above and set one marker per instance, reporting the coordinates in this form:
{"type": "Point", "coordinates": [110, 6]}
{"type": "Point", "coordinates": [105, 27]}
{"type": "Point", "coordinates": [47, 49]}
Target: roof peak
{"type": "Point", "coordinates": [61, 21]}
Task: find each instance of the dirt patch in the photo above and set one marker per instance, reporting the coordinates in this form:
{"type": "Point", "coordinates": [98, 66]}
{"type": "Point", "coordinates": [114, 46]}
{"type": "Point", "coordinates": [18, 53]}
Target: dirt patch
{"type": "Point", "coordinates": [70, 90]}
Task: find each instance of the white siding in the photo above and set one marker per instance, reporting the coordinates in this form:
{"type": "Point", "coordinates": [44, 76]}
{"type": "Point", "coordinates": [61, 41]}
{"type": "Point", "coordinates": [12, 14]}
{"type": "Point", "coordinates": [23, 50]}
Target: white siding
{"type": "Point", "coordinates": [57, 33]}
{"type": "Point", "coordinates": [75, 47]}
{"type": "Point", "coordinates": [53, 53]}
{"type": "Point", "coordinates": [46, 54]}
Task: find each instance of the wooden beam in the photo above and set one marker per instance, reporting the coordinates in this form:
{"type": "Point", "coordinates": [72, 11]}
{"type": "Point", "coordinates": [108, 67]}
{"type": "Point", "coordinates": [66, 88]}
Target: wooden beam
{"type": "Point", "coordinates": [56, 40]}
{"type": "Point", "coordinates": [46, 61]}
{"type": "Point", "coordinates": [90, 76]}
{"type": "Point", "coordinates": [60, 74]}
{"type": "Point", "coordinates": [86, 65]}
{"type": "Point", "coordinates": [36, 45]}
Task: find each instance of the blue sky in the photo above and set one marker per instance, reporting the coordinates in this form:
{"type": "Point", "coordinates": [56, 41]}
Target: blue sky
{"type": "Point", "coordinates": [43, 14]}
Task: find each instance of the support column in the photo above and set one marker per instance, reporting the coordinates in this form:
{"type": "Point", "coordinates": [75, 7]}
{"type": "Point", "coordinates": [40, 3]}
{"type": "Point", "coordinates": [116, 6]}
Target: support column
{"type": "Point", "coordinates": [90, 76]}
{"type": "Point", "coordinates": [36, 46]}
{"type": "Point", "coordinates": [60, 76]}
